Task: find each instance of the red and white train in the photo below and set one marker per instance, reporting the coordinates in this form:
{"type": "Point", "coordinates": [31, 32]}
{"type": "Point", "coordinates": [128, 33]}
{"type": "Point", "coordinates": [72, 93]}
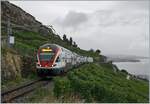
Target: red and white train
{"type": "Point", "coordinates": [54, 59]}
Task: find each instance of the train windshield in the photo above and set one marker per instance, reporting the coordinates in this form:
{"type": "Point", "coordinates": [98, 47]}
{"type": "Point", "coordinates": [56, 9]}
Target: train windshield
{"type": "Point", "coordinates": [46, 56]}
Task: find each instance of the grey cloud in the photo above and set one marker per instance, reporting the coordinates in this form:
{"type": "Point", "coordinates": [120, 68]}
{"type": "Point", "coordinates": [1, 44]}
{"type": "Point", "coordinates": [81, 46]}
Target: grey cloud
{"type": "Point", "coordinates": [107, 18]}
{"type": "Point", "coordinates": [74, 19]}
{"type": "Point", "coordinates": [118, 27]}
{"type": "Point", "coordinates": [139, 4]}
{"type": "Point", "coordinates": [112, 31]}
{"type": "Point", "coordinates": [123, 13]}
{"type": "Point", "coordinates": [143, 4]}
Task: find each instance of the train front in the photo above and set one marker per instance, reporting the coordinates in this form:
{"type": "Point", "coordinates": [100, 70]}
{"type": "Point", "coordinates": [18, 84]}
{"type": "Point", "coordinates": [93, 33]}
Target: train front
{"type": "Point", "coordinates": [45, 57]}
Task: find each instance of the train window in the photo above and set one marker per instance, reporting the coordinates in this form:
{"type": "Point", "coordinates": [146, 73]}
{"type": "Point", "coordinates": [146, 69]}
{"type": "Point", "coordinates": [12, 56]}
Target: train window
{"type": "Point", "coordinates": [46, 56]}
{"type": "Point", "coordinates": [58, 59]}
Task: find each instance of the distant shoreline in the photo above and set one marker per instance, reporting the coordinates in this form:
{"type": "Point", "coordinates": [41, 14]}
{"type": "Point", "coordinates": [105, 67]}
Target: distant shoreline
{"type": "Point", "coordinates": [137, 68]}
{"type": "Point", "coordinates": [125, 58]}
{"type": "Point", "coordinates": [125, 61]}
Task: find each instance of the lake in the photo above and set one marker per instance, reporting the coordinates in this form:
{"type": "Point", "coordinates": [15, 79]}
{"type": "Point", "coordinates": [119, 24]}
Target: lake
{"type": "Point", "coordinates": [136, 68]}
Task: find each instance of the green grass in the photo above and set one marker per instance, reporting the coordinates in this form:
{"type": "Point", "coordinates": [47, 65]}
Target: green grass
{"type": "Point", "coordinates": [99, 83]}
{"type": "Point", "coordinates": [15, 82]}
{"type": "Point", "coordinates": [27, 42]}
{"type": "Point", "coordinates": [38, 95]}
{"type": "Point", "coordinates": [28, 35]}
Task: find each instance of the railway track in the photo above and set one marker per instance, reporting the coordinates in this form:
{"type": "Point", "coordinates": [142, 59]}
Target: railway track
{"type": "Point", "coordinates": [14, 93]}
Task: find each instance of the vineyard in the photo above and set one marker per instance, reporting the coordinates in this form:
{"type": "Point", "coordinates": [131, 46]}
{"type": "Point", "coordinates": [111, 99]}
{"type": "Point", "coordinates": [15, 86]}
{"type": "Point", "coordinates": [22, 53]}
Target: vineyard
{"type": "Point", "coordinates": [100, 83]}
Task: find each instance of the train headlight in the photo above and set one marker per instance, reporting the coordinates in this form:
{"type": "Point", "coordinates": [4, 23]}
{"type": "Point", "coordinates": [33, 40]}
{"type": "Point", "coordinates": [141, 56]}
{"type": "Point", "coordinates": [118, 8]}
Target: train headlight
{"type": "Point", "coordinates": [54, 65]}
{"type": "Point", "coordinates": [38, 64]}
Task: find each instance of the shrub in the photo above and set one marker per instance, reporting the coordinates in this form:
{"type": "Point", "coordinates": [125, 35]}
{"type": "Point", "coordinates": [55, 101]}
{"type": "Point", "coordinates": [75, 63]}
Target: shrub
{"type": "Point", "coordinates": [99, 83]}
{"type": "Point", "coordinates": [62, 87]}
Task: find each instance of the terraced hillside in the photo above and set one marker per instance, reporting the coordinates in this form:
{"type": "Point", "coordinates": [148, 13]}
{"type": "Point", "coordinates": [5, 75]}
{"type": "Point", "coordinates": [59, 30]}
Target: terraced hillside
{"type": "Point", "coordinates": [100, 83]}
{"type": "Point", "coordinates": [29, 34]}
{"type": "Point", "coordinates": [95, 82]}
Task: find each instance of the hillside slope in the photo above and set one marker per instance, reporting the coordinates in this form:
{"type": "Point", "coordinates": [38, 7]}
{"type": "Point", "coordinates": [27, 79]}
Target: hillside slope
{"type": "Point", "coordinates": [21, 19]}
{"type": "Point", "coordinates": [101, 84]}
{"type": "Point", "coordinates": [29, 35]}
{"type": "Point", "coordinates": [91, 82]}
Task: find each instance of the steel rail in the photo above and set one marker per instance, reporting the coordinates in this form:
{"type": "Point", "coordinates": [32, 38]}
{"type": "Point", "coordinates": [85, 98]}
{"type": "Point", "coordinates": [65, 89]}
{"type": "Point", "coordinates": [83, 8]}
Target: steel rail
{"type": "Point", "coordinates": [9, 95]}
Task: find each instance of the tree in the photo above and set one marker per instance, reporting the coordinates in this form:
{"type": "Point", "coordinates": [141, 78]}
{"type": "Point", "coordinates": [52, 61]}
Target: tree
{"type": "Point", "coordinates": [91, 50]}
{"type": "Point", "coordinates": [74, 44]}
{"type": "Point", "coordinates": [70, 41]}
{"type": "Point", "coordinates": [124, 71]}
{"type": "Point", "coordinates": [64, 37]}
{"type": "Point", "coordinates": [98, 51]}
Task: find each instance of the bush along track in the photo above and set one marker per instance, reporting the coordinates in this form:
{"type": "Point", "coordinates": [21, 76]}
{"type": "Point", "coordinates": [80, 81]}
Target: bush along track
{"type": "Point", "coordinates": [99, 83]}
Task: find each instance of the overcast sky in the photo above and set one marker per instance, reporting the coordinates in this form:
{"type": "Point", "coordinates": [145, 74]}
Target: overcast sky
{"type": "Point", "coordinates": [114, 27]}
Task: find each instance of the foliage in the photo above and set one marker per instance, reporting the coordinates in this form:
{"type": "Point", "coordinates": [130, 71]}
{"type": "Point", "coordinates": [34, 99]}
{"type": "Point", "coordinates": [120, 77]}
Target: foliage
{"type": "Point", "coordinates": [27, 43]}
{"type": "Point", "coordinates": [64, 37]}
{"type": "Point", "coordinates": [99, 83]}
{"type": "Point", "coordinates": [74, 44]}
{"type": "Point", "coordinates": [124, 71]}
{"type": "Point", "coordinates": [64, 84]}
{"type": "Point", "coordinates": [70, 41]}
{"type": "Point", "coordinates": [28, 66]}
{"type": "Point", "coordinates": [98, 51]}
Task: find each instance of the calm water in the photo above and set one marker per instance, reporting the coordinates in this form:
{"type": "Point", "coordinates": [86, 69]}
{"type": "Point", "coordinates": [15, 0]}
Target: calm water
{"type": "Point", "coordinates": [136, 68]}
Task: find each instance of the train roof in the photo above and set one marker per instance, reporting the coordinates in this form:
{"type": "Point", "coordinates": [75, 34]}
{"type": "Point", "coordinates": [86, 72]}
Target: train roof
{"type": "Point", "coordinates": [49, 45]}
{"type": "Point", "coordinates": [57, 46]}
{"type": "Point", "coordinates": [54, 46]}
